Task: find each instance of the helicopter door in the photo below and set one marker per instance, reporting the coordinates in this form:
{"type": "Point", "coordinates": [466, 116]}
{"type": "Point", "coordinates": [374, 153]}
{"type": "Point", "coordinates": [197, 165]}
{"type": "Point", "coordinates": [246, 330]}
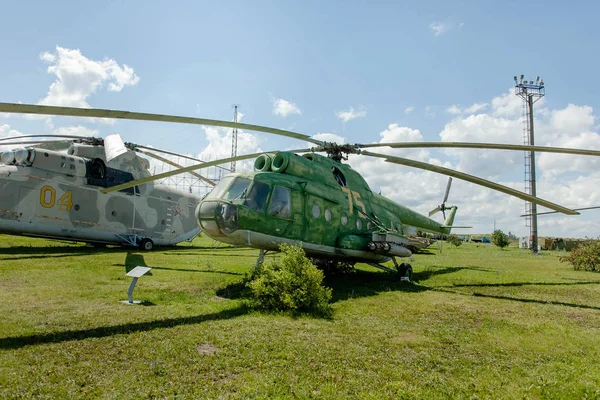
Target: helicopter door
{"type": "Point", "coordinates": [280, 212]}
{"type": "Point", "coordinates": [25, 211]}
{"type": "Point", "coordinates": [319, 229]}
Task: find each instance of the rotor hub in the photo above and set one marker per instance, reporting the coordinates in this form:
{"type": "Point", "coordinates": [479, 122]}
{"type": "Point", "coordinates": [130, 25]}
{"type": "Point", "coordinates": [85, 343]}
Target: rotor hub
{"type": "Point", "coordinates": [336, 151]}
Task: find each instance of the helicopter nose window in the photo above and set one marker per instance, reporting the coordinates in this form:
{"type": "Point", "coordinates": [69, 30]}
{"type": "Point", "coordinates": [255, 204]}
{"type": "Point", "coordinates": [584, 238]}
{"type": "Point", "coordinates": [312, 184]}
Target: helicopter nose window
{"type": "Point", "coordinates": [237, 190]}
{"type": "Point", "coordinates": [280, 202]}
{"type": "Point", "coordinates": [257, 197]}
{"type": "Point", "coordinates": [221, 187]}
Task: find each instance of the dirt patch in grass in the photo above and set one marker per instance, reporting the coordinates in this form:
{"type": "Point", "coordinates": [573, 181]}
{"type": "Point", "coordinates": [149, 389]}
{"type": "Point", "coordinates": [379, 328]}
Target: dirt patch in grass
{"type": "Point", "coordinates": [205, 349]}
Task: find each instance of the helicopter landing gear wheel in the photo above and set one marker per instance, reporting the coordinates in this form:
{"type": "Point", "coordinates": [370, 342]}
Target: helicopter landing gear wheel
{"type": "Point", "coordinates": [405, 271]}
{"type": "Point", "coordinates": [146, 244]}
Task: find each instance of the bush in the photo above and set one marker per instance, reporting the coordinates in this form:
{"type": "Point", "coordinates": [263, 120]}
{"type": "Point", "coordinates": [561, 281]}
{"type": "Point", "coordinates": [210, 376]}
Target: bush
{"type": "Point", "coordinates": [454, 240]}
{"type": "Point", "coordinates": [500, 239]}
{"type": "Point", "coordinates": [585, 257]}
{"type": "Point", "coordinates": [290, 283]}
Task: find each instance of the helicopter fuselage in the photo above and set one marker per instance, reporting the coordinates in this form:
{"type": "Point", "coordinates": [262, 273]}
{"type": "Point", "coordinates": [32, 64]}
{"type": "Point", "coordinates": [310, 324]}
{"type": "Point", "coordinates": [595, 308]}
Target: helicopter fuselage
{"type": "Point", "coordinates": [53, 194]}
{"type": "Point", "coordinates": [322, 203]}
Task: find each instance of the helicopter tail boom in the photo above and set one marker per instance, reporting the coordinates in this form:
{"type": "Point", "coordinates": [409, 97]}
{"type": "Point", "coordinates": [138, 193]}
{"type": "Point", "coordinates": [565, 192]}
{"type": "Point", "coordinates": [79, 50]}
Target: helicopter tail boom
{"type": "Point", "coordinates": [447, 226]}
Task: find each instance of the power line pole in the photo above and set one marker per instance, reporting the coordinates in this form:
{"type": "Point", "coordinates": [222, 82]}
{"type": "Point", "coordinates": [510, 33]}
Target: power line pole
{"type": "Point", "coordinates": [234, 136]}
{"type": "Point", "coordinates": [530, 92]}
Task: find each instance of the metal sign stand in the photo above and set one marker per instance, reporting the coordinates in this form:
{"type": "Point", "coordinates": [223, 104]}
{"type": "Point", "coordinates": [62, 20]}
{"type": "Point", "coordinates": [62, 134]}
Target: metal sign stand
{"type": "Point", "coordinates": [135, 273]}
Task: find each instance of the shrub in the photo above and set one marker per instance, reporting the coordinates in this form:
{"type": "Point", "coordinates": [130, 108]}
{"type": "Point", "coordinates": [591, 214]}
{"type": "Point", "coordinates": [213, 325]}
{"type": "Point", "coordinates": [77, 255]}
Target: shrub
{"type": "Point", "coordinates": [290, 283]}
{"type": "Point", "coordinates": [585, 257]}
{"type": "Point", "coordinates": [454, 240]}
{"type": "Point", "coordinates": [500, 239]}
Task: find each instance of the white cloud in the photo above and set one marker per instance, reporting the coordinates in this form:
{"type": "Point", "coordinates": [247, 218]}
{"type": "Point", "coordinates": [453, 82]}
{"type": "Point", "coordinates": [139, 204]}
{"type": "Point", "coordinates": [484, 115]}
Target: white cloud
{"type": "Point", "coordinates": [429, 111]}
{"type": "Point", "coordinates": [6, 132]}
{"type": "Point", "coordinates": [408, 110]}
{"type": "Point", "coordinates": [440, 28]}
{"type": "Point", "coordinates": [328, 137]}
{"type": "Point", "coordinates": [454, 109]}
{"type": "Point", "coordinates": [78, 77]}
{"type": "Point", "coordinates": [351, 114]}
{"type": "Point", "coordinates": [284, 108]}
{"type": "Point", "coordinates": [77, 130]}
{"type": "Point", "coordinates": [476, 107]}
{"type": "Point", "coordinates": [219, 146]}
{"type": "Point", "coordinates": [507, 105]}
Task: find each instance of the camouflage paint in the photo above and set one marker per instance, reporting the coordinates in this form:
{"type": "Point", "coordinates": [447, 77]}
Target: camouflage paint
{"type": "Point", "coordinates": [313, 184]}
{"type": "Point", "coordinates": [52, 198]}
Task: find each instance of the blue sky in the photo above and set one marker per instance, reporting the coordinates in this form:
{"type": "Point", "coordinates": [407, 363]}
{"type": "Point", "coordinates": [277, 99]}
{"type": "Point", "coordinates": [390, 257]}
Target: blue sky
{"type": "Point", "coordinates": [404, 63]}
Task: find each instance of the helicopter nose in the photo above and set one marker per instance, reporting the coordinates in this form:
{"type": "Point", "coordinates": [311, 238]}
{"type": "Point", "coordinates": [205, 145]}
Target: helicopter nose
{"type": "Point", "coordinates": [217, 218]}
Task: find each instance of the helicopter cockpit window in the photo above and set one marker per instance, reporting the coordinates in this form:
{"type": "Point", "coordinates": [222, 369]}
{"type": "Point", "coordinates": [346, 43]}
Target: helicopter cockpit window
{"type": "Point", "coordinates": [257, 197]}
{"type": "Point", "coordinates": [221, 187]}
{"type": "Point", "coordinates": [237, 190]}
{"type": "Point", "coordinates": [339, 176]}
{"type": "Point", "coordinates": [280, 202]}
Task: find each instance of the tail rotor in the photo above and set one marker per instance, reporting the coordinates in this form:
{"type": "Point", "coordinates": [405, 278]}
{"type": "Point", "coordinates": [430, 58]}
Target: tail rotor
{"type": "Point", "coordinates": [442, 207]}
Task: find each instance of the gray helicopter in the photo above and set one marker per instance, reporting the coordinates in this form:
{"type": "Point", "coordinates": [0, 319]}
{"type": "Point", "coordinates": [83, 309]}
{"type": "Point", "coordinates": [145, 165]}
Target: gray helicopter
{"type": "Point", "coordinates": [51, 189]}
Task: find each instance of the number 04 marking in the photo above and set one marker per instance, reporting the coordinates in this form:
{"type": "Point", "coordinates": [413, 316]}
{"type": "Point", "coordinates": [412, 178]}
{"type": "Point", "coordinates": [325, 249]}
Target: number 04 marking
{"type": "Point", "coordinates": [48, 199]}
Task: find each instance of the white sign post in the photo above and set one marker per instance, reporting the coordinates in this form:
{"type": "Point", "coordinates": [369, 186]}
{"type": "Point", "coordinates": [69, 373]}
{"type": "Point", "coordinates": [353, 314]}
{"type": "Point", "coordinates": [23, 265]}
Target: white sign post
{"type": "Point", "coordinates": [135, 273]}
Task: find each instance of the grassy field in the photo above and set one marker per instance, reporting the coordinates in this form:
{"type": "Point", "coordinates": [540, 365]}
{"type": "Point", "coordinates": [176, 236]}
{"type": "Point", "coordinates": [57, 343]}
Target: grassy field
{"type": "Point", "coordinates": [477, 323]}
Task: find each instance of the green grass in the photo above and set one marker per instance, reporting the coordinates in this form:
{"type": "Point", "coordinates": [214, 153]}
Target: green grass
{"type": "Point", "coordinates": [479, 323]}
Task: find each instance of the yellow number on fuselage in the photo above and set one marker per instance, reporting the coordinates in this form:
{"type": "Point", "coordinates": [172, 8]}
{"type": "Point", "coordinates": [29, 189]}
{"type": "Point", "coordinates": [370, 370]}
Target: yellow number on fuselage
{"type": "Point", "coordinates": [351, 194]}
{"type": "Point", "coordinates": [360, 204]}
{"type": "Point", "coordinates": [48, 199]}
{"type": "Point", "coordinates": [65, 202]}
{"type": "Point", "coordinates": [47, 203]}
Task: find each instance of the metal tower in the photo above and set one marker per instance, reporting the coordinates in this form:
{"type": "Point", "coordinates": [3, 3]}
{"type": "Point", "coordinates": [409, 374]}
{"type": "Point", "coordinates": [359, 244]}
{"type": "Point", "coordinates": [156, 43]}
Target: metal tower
{"type": "Point", "coordinates": [234, 137]}
{"type": "Point", "coordinates": [530, 92]}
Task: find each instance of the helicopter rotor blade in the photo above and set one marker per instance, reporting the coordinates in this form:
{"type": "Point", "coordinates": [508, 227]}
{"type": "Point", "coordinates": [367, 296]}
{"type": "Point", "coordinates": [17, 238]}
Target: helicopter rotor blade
{"type": "Point", "coordinates": [113, 146]}
{"type": "Point", "coordinates": [447, 190]}
{"type": "Point", "coordinates": [435, 211]}
{"type": "Point", "coordinates": [472, 179]}
{"type": "Point", "coordinates": [186, 169]}
{"type": "Point", "coordinates": [174, 164]}
{"type": "Point", "coordinates": [137, 146]}
{"type": "Point", "coordinates": [117, 114]}
{"type": "Point", "coordinates": [41, 136]}
{"type": "Point", "coordinates": [490, 146]}
{"type": "Point", "coordinates": [37, 143]}
{"type": "Point", "coordinates": [555, 212]}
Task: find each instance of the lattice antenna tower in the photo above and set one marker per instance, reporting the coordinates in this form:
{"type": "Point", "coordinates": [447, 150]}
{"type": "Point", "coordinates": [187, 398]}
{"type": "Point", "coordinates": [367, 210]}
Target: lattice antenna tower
{"type": "Point", "coordinates": [530, 92]}
{"type": "Point", "coordinates": [234, 136]}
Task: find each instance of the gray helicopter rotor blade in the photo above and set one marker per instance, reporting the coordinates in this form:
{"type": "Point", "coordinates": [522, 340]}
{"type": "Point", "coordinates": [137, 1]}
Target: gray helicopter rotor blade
{"type": "Point", "coordinates": [490, 146]}
{"type": "Point", "coordinates": [555, 212]}
{"type": "Point", "coordinates": [38, 143]}
{"type": "Point", "coordinates": [473, 179]}
{"type": "Point", "coordinates": [187, 169]}
{"type": "Point", "coordinates": [114, 146]}
{"type": "Point", "coordinates": [41, 136]}
{"type": "Point", "coordinates": [117, 114]}
{"type": "Point", "coordinates": [174, 164]}
{"type": "Point", "coordinates": [447, 190]}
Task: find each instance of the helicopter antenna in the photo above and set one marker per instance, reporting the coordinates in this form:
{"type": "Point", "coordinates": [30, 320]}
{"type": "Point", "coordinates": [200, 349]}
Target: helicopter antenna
{"type": "Point", "coordinates": [234, 137]}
